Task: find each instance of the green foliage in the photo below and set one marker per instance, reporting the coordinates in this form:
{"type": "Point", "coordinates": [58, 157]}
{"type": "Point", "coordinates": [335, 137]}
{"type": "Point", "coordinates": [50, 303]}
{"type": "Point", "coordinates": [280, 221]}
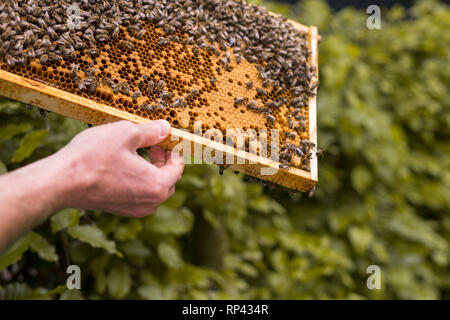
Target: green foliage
{"type": "Point", "coordinates": [383, 195]}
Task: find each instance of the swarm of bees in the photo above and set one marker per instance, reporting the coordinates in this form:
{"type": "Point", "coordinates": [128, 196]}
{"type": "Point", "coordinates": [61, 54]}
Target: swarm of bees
{"type": "Point", "coordinates": [38, 29]}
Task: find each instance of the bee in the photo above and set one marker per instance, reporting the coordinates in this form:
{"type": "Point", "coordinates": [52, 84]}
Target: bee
{"type": "Point", "coordinates": [150, 86]}
{"type": "Point", "coordinates": [295, 112]}
{"type": "Point", "coordinates": [93, 52]}
{"type": "Point", "coordinates": [261, 92]}
{"type": "Point", "coordinates": [43, 59]}
{"type": "Point", "coordinates": [166, 95]}
{"type": "Point", "coordinates": [253, 105]}
{"type": "Point", "coordinates": [43, 113]}
{"type": "Point", "coordinates": [249, 85]}
{"type": "Point", "coordinates": [115, 33]}
{"type": "Point", "coordinates": [91, 82]}
{"type": "Point", "coordinates": [222, 168]}
{"type": "Point", "coordinates": [192, 93]}
{"type": "Point", "coordinates": [124, 88]}
{"type": "Point", "coordinates": [146, 107]}
{"type": "Point", "coordinates": [178, 103]}
{"type": "Point", "coordinates": [136, 94]}
{"type": "Point", "coordinates": [196, 51]}
{"type": "Point", "coordinates": [270, 118]}
{"type": "Point", "coordinates": [272, 104]}
{"type": "Point", "coordinates": [213, 80]}
{"type": "Point", "coordinates": [160, 85]}
{"type": "Point", "coordinates": [299, 152]}
{"type": "Point", "coordinates": [240, 100]}
{"type": "Point", "coordinates": [140, 34]}
{"type": "Point", "coordinates": [311, 192]}
{"type": "Point", "coordinates": [284, 166]}
{"type": "Point", "coordinates": [75, 68]}
{"type": "Point", "coordinates": [174, 38]}
{"type": "Point", "coordinates": [163, 41]}
{"type": "Point", "coordinates": [90, 72]}
{"type": "Point", "coordinates": [189, 40]}
{"type": "Point", "coordinates": [127, 45]}
{"type": "Point", "coordinates": [291, 135]}
{"type": "Point", "coordinates": [319, 153]}
{"type": "Point", "coordinates": [267, 83]}
{"type": "Point", "coordinates": [108, 82]}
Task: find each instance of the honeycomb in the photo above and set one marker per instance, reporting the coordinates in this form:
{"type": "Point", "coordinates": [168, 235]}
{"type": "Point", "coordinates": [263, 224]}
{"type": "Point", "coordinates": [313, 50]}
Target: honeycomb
{"type": "Point", "coordinates": [182, 69]}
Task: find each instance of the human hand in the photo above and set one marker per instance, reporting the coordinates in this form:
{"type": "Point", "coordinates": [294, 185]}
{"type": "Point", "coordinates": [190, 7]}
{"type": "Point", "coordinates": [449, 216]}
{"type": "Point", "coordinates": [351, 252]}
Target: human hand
{"type": "Point", "coordinates": [109, 175]}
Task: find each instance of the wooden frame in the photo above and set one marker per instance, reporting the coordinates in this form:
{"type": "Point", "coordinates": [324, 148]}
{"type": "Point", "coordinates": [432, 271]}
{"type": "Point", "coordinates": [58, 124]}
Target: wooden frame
{"type": "Point", "coordinates": [52, 99]}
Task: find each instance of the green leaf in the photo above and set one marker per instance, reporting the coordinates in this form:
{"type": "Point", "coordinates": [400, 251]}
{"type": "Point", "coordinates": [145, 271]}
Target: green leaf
{"type": "Point", "coordinates": [177, 200]}
{"type": "Point", "coordinates": [14, 254]}
{"type": "Point", "coordinates": [128, 230]}
{"type": "Point", "coordinates": [94, 236]}
{"type": "Point", "coordinates": [119, 282]}
{"type": "Point", "coordinates": [169, 255]}
{"type": "Point", "coordinates": [64, 219]}
{"type": "Point", "coordinates": [135, 248]}
{"type": "Point", "coordinates": [21, 291]}
{"type": "Point", "coordinates": [360, 238]}
{"type": "Point", "coordinates": [361, 178]}
{"type": "Point", "coordinates": [28, 144]}
{"type": "Point", "coordinates": [12, 130]}
{"type": "Point", "coordinates": [3, 168]}
{"type": "Point", "coordinates": [170, 221]}
{"type": "Point", "coordinates": [45, 250]}
{"type": "Point", "coordinates": [71, 295]}
{"type": "Point", "coordinates": [151, 292]}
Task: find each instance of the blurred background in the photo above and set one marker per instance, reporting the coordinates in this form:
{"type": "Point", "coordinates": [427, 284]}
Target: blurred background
{"type": "Point", "coordinates": [383, 196]}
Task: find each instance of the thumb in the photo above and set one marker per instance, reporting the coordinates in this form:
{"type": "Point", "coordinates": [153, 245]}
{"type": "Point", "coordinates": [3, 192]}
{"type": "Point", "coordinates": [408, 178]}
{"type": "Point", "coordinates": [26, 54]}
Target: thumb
{"type": "Point", "coordinates": [152, 133]}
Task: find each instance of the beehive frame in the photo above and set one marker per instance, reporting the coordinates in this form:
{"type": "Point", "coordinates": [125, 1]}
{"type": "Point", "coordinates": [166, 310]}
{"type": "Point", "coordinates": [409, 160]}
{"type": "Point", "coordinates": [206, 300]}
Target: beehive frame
{"type": "Point", "coordinates": [74, 106]}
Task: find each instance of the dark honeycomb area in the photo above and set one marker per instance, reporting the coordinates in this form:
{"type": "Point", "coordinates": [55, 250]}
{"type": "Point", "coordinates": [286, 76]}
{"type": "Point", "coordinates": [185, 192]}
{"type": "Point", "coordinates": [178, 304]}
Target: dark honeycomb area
{"type": "Point", "coordinates": [182, 70]}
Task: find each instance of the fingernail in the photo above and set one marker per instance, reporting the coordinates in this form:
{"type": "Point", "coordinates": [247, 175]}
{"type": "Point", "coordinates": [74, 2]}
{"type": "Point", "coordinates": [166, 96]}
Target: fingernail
{"type": "Point", "coordinates": [164, 127]}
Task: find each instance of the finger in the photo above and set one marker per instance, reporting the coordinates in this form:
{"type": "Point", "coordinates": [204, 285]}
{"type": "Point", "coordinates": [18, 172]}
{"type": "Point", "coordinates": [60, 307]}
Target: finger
{"type": "Point", "coordinates": [157, 156]}
{"type": "Point", "coordinates": [151, 133]}
{"type": "Point", "coordinates": [173, 168]}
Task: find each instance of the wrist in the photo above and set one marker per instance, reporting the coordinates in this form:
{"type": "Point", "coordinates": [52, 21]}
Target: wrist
{"type": "Point", "coordinates": [72, 179]}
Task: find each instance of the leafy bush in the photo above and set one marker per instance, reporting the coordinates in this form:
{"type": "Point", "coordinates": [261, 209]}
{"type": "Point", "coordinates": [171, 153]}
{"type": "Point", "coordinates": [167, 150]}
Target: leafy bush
{"type": "Point", "coordinates": [383, 197]}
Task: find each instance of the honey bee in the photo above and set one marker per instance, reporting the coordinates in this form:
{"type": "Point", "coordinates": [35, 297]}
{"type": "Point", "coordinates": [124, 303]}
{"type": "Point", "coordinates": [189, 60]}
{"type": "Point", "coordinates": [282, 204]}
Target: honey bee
{"type": "Point", "coordinates": [240, 100]}
{"type": "Point", "coordinates": [43, 59]}
{"type": "Point", "coordinates": [192, 93]}
{"type": "Point", "coordinates": [146, 107]}
{"type": "Point", "coordinates": [43, 113]}
{"type": "Point", "coordinates": [163, 41]}
{"type": "Point", "coordinates": [174, 38]}
{"type": "Point", "coordinates": [261, 92]}
{"type": "Point", "coordinates": [166, 95]}
{"type": "Point", "coordinates": [93, 52]}
{"type": "Point", "coordinates": [213, 80]}
{"type": "Point", "coordinates": [178, 103]}
{"type": "Point", "coordinates": [270, 118]}
{"type": "Point", "coordinates": [311, 192]}
{"type": "Point", "coordinates": [136, 94]}
{"type": "Point", "coordinates": [196, 51]}
{"type": "Point", "coordinates": [249, 85]}
{"type": "Point", "coordinates": [127, 45]}
{"type": "Point", "coordinates": [75, 68]}
{"type": "Point", "coordinates": [140, 34]}
{"type": "Point", "coordinates": [150, 87]}
{"type": "Point", "coordinates": [124, 88]}
{"type": "Point", "coordinates": [160, 85]}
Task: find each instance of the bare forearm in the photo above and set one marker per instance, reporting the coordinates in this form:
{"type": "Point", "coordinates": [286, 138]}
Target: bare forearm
{"type": "Point", "coordinates": [29, 195]}
{"type": "Point", "coordinates": [98, 170]}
